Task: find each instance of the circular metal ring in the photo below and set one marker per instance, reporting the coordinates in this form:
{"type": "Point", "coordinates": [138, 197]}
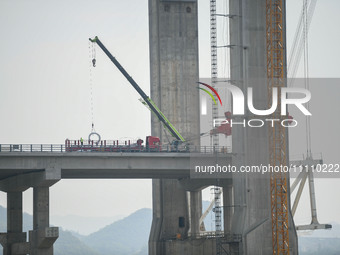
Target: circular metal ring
{"type": "Point", "coordinates": [95, 134]}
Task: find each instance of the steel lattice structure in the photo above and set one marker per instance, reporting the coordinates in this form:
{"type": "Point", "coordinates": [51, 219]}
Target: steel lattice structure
{"type": "Point", "coordinates": [276, 78]}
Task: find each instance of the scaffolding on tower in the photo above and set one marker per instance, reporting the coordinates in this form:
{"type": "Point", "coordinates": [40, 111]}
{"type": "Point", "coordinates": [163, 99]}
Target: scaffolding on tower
{"type": "Point", "coordinates": [276, 78]}
{"type": "Point", "coordinates": [214, 76]}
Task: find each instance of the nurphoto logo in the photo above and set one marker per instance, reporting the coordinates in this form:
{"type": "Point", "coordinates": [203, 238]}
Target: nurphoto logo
{"type": "Point", "coordinates": [238, 105]}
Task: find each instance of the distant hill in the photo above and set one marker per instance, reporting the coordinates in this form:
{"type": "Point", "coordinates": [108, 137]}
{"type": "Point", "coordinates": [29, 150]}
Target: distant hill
{"type": "Point", "coordinates": [130, 235]}
{"type": "Point", "coordinates": [124, 237]}
{"type": "Point", "coordinates": [65, 244]}
{"type": "Point", "coordinates": [82, 225]}
{"type": "Point", "coordinates": [71, 245]}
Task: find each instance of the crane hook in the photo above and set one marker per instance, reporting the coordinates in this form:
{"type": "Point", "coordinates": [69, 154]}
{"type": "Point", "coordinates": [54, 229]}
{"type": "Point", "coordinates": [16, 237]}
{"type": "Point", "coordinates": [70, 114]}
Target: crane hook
{"type": "Point", "coordinates": [94, 62]}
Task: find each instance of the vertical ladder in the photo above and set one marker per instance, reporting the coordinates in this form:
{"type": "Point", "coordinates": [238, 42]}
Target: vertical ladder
{"type": "Point", "coordinates": [214, 69]}
{"type": "Point", "coordinates": [217, 191]}
{"type": "Point", "coordinates": [214, 76]}
{"type": "Point", "coordinates": [218, 210]}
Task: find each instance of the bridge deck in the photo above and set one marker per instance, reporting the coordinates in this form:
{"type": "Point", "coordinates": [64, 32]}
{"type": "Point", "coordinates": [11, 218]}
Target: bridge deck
{"type": "Point", "coordinates": [83, 165]}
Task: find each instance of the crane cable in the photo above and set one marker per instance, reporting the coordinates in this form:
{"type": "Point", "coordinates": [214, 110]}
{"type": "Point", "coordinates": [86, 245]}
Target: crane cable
{"type": "Point", "coordinates": [92, 63]}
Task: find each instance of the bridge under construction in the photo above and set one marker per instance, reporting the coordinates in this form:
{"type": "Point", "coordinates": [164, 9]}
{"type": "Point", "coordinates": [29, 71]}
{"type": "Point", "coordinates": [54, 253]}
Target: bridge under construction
{"type": "Point", "coordinates": [252, 215]}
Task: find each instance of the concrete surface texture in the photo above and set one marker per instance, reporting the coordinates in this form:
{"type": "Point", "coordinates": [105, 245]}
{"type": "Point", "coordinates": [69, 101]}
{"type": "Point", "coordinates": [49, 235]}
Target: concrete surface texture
{"type": "Point", "coordinates": [173, 27]}
{"type": "Point", "coordinates": [248, 69]}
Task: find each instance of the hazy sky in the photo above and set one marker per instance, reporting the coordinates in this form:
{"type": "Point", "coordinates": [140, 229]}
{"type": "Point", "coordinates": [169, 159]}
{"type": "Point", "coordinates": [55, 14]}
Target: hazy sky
{"type": "Point", "coordinates": [45, 90]}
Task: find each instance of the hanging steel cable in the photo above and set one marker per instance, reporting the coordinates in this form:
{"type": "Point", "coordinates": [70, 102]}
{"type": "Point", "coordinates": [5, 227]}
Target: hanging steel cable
{"type": "Point", "coordinates": [306, 74]}
{"type": "Point", "coordinates": [298, 42]}
{"type": "Point", "coordinates": [92, 63]}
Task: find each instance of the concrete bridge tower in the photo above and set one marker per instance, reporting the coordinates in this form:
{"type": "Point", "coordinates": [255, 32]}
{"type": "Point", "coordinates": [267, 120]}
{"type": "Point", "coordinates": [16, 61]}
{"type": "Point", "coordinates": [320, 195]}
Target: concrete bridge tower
{"type": "Point", "coordinates": [174, 73]}
{"type": "Point", "coordinates": [251, 145]}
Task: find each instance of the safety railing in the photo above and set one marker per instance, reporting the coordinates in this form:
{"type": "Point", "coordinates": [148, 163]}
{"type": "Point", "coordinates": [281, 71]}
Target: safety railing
{"type": "Point", "coordinates": [102, 142]}
{"type": "Point", "coordinates": [59, 148]}
{"type": "Point", "coordinates": [32, 148]}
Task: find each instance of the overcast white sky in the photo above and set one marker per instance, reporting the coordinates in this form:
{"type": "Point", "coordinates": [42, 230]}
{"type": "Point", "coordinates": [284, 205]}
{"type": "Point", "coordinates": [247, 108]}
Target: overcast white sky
{"type": "Point", "coordinates": [44, 89]}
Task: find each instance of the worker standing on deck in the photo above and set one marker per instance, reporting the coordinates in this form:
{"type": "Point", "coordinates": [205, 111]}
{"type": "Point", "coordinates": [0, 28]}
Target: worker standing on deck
{"type": "Point", "coordinates": [81, 141]}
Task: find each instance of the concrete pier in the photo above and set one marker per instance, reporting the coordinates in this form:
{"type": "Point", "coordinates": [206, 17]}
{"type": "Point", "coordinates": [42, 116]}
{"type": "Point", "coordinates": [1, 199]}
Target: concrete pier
{"type": "Point", "coordinates": [174, 76]}
{"type": "Point", "coordinates": [42, 237]}
{"type": "Point", "coordinates": [14, 240]}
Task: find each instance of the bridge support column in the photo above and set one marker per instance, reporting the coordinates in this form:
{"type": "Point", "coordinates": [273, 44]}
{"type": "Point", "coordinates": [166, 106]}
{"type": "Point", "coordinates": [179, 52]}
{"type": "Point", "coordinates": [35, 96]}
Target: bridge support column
{"type": "Point", "coordinates": [170, 225]}
{"type": "Point", "coordinates": [228, 209]}
{"type": "Point", "coordinates": [14, 241]}
{"type": "Point", "coordinates": [195, 212]}
{"type": "Point", "coordinates": [43, 236]}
